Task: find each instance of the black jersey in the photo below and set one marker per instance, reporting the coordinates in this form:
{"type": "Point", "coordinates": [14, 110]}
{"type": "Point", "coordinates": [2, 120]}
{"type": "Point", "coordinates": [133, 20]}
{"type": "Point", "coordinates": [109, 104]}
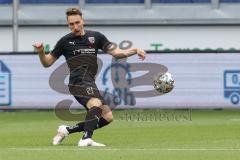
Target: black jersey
{"type": "Point", "coordinates": [80, 53]}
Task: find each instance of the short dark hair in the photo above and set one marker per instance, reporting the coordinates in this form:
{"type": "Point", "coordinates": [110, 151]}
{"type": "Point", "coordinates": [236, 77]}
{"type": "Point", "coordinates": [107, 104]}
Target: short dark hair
{"type": "Point", "coordinates": [73, 11]}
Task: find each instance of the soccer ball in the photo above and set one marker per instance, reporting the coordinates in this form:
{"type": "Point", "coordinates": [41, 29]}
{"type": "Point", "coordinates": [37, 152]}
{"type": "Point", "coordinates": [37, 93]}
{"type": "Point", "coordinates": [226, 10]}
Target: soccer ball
{"type": "Point", "coordinates": [163, 82]}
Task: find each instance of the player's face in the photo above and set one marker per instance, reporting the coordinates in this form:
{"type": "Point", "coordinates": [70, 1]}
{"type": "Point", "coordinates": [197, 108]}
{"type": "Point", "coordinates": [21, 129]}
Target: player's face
{"type": "Point", "coordinates": [75, 23]}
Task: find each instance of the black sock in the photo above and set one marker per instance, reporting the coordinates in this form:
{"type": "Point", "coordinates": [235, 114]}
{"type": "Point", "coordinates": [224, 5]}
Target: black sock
{"type": "Point", "coordinates": [102, 122]}
{"type": "Point", "coordinates": [91, 121]}
{"type": "Point", "coordinates": [77, 128]}
{"type": "Point", "coordinates": [80, 126]}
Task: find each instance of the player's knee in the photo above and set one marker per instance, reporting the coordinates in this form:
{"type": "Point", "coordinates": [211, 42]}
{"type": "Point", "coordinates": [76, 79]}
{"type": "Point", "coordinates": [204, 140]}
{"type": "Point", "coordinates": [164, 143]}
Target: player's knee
{"type": "Point", "coordinates": [94, 102]}
{"type": "Point", "coordinates": [108, 116]}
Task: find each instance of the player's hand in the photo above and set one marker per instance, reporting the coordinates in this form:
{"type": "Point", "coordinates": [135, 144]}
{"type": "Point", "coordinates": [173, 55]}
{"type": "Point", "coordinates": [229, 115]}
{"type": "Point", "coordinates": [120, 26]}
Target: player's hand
{"type": "Point", "coordinates": [141, 54]}
{"type": "Point", "coordinates": [39, 47]}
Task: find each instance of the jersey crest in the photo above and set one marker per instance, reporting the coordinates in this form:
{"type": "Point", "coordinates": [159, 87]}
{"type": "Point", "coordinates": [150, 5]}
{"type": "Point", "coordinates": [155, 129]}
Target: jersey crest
{"type": "Point", "coordinates": [91, 40]}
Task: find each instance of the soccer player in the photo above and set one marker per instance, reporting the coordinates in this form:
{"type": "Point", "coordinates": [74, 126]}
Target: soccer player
{"type": "Point", "coordinates": [80, 48]}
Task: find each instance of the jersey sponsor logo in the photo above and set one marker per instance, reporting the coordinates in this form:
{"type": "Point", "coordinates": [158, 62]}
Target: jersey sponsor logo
{"type": "Point", "coordinates": [91, 40]}
{"type": "Point", "coordinates": [72, 42]}
{"type": "Point", "coordinates": [84, 51]}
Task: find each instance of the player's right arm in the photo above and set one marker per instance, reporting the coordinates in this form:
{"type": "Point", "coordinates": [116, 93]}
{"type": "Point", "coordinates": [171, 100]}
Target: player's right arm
{"type": "Point", "coordinates": [46, 59]}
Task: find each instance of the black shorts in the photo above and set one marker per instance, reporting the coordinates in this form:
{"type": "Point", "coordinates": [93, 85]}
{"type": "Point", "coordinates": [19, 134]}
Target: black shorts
{"type": "Point", "coordinates": [84, 91]}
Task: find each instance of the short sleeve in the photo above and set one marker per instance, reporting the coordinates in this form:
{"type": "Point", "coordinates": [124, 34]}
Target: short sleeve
{"type": "Point", "coordinates": [103, 42]}
{"type": "Point", "coordinates": [58, 49]}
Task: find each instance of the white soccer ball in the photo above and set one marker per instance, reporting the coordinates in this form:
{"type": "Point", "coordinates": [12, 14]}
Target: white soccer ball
{"type": "Point", "coordinates": [163, 82]}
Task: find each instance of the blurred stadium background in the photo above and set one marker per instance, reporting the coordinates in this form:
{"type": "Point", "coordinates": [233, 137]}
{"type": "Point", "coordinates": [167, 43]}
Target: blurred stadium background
{"type": "Point", "coordinates": [197, 40]}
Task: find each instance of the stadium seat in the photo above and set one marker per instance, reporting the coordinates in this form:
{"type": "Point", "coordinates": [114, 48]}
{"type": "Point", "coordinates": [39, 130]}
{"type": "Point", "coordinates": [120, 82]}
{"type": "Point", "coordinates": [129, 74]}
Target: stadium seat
{"type": "Point", "coordinates": [47, 1]}
{"type": "Point", "coordinates": [181, 1]}
{"type": "Point", "coordinates": [5, 1]}
{"type": "Point", "coordinates": [114, 1]}
{"type": "Point", "coordinates": [229, 1]}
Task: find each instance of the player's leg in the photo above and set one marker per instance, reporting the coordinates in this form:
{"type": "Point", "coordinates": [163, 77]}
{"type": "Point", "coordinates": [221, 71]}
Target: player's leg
{"type": "Point", "coordinates": [98, 115]}
{"type": "Point", "coordinates": [105, 119]}
{"type": "Point", "coordinates": [93, 116]}
{"type": "Point", "coordinates": [78, 91]}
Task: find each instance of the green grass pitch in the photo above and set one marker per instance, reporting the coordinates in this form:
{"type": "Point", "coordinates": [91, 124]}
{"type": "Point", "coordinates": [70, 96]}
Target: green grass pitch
{"type": "Point", "coordinates": [134, 135]}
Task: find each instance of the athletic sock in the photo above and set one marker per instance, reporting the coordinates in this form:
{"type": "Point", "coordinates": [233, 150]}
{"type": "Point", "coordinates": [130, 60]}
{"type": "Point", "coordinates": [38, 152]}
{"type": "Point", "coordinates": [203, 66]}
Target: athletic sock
{"type": "Point", "coordinates": [80, 126]}
{"type": "Point", "coordinates": [102, 122]}
{"type": "Point", "coordinates": [77, 128]}
{"type": "Point", "coordinates": [91, 121]}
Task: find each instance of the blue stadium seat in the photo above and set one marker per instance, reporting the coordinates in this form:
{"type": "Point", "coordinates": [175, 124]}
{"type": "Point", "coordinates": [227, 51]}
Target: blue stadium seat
{"type": "Point", "coordinates": [5, 1]}
{"type": "Point", "coordinates": [230, 1]}
{"type": "Point", "coordinates": [47, 1]}
{"type": "Point", "coordinates": [114, 1]}
{"type": "Point", "coordinates": [181, 1]}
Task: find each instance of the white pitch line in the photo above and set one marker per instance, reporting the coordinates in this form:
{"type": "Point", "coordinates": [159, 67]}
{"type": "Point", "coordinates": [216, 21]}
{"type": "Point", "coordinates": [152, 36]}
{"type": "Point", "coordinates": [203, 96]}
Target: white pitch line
{"type": "Point", "coordinates": [234, 119]}
{"type": "Point", "coordinates": [126, 149]}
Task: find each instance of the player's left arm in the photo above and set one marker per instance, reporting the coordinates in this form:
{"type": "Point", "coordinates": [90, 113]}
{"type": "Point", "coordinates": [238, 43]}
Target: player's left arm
{"type": "Point", "coordinates": [108, 47]}
{"type": "Point", "coordinates": [120, 53]}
